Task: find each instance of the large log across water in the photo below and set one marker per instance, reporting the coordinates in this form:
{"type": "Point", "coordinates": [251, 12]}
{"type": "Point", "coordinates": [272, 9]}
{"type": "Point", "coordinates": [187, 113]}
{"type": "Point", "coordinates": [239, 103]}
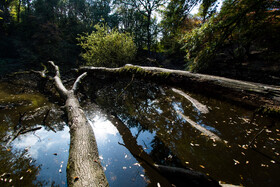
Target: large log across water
{"type": "Point", "coordinates": [248, 93]}
{"type": "Point", "coordinates": [83, 168]}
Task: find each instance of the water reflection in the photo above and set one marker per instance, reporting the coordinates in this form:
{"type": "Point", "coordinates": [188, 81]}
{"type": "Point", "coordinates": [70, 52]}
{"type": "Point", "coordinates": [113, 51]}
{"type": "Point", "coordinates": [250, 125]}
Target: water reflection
{"type": "Point", "coordinates": [150, 110]}
{"type": "Point", "coordinates": [36, 158]}
{"type": "Point", "coordinates": [120, 167]}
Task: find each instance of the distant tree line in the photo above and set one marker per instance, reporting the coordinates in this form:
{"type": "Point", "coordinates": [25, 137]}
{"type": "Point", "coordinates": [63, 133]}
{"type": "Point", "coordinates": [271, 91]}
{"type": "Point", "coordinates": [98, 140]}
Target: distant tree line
{"type": "Point", "coordinates": [40, 30]}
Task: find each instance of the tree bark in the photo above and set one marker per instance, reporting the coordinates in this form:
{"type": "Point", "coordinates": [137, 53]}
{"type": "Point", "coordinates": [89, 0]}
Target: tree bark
{"type": "Point", "coordinates": [84, 168]}
{"type": "Point", "coordinates": [245, 93]}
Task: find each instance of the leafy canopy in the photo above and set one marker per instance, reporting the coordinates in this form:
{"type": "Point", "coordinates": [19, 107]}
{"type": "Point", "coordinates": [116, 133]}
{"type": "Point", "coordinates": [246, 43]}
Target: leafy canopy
{"type": "Point", "coordinates": [105, 47]}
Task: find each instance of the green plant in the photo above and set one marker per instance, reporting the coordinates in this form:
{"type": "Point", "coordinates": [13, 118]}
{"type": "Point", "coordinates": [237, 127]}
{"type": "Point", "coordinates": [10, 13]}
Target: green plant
{"type": "Point", "coordinates": [107, 47]}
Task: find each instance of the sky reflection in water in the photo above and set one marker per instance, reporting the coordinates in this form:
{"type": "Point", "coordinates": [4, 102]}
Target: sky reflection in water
{"type": "Point", "coordinates": [49, 150]}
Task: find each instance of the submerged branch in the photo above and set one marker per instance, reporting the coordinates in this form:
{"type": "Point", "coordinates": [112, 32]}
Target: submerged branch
{"type": "Point", "coordinates": [198, 127]}
{"type": "Point", "coordinates": [200, 107]}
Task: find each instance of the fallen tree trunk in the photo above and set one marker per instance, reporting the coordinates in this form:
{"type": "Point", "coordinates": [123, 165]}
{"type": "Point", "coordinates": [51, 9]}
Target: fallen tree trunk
{"type": "Point", "coordinates": [83, 168]}
{"type": "Point", "coordinates": [248, 93]}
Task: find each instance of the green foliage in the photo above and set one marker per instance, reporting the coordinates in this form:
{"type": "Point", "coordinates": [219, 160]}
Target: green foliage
{"type": "Point", "coordinates": [239, 25]}
{"type": "Point", "coordinates": [175, 23]}
{"type": "Point", "coordinates": [105, 47]}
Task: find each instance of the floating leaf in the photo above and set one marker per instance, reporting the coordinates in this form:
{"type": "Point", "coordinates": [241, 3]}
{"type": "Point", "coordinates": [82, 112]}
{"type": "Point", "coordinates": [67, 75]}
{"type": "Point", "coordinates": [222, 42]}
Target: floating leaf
{"type": "Point", "coordinates": [236, 162]}
{"type": "Point", "coordinates": [21, 178]}
{"type": "Point", "coordinates": [158, 184]}
{"type": "Point", "coordinates": [124, 168]}
{"type": "Point", "coordinates": [76, 179]}
{"type": "Point", "coordinates": [187, 162]}
{"type": "Point", "coordinates": [55, 154]}
{"type": "Point", "coordinates": [136, 164]}
{"type": "Point", "coordinates": [202, 166]}
{"type": "Point", "coordinates": [60, 171]}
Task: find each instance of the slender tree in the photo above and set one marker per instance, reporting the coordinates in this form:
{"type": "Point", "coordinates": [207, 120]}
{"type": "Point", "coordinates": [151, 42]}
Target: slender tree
{"type": "Point", "coordinates": [146, 8]}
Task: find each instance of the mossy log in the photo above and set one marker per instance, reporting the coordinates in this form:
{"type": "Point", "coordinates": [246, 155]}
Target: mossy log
{"type": "Point", "coordinates": [246, 93]}
{"type": "Point", "coordinates": [83, 168]}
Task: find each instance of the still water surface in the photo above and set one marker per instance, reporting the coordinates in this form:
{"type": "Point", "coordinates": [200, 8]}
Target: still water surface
{"type": "Point", "coordinates": [148, 121]}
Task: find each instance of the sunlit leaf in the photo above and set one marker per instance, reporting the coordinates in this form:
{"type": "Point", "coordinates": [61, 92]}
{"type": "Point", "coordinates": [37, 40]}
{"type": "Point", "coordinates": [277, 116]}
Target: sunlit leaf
{"type": "Point", "coordinates": [236, 162]}
{"type": "Point", "coordinates": [202, 166]}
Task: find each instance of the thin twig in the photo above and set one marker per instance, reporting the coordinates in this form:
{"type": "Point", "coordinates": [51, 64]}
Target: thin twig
{"type": "Point", "coordinates": [132, 78]}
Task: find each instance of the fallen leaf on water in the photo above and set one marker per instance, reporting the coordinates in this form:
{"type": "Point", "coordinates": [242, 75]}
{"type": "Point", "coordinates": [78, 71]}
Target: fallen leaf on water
{"type": "Point", "coordinates": [272, 161]}
{"type": "Point", "coordinates": [101, 157]}
{"type": "Point", "coordinates": [21, 178]}
{"type": "Point", "coordinates": [136, 164]}
{"type": "Point", "coordinates": [142, 175]}
{"type": "Point", "coordinates": [247, 162]}
{"type": "Point", "coordinates": [187, 162]}
{"type": "Point", "coordinates": [264, 165]}
{"type": "Point", "coordinates": [60, 171]}
{"type": "Point", "coordinates": [158, 184]}
{"type": "Point", "coordinates": [124, 168]}
{"type": "Point", "coordinates": [202, 166]}
{"type": "Point", "coordinates": [236, 162]}
{"type": "Point", "coordinates": [125, 156]}
{"type": "Point", "coordinates": [8, 149]}
{"type": "Point", "coordinates": [55, 154]}
{"type": "Point", "coordinates": [76, 179]}
{"type": "Point", "coordinates": [29, 170]}
{"type": "Point", "coordinates": [10, 180]}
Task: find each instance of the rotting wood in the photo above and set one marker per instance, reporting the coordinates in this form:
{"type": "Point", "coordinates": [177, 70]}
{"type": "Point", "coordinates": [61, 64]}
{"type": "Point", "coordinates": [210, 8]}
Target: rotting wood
{"type": "Point", "coordinates": [199, 106]}
{"type": "Point", "coordinates": [84, 167]}
{"type": "Point", "coordinates": [204, 131]}
{"type": "Point", "coordinates": [246, 93]}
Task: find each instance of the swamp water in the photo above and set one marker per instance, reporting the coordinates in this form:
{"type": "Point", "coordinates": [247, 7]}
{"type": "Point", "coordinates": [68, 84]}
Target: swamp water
{"type": "Point", "coordinates": [148, 121]}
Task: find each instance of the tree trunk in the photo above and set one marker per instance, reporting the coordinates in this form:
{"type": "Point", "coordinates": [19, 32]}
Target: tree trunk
{"type": "Point", "coordinates": [83, 159]}
{"type": "Point", "coordinates": [245, 93]}
{"type": "Point", "coordinates": [84, 168]}
{"type": "Point", "coordinates": [149, 32]}
{"type": "Point", "coordinates": [18, 11]}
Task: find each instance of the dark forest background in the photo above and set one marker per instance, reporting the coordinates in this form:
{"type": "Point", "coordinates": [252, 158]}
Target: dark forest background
{"type": "Point", "coordinates": [240, 39]}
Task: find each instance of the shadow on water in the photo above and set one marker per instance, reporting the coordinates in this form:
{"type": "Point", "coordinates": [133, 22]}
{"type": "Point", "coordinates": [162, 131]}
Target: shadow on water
{"type": "Point", "coordinates": [149, 112]}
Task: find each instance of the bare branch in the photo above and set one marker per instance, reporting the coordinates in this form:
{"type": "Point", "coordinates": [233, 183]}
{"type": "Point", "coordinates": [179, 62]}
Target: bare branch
{"type": "Point", "coordinates": [56, 68]}
{"type": "Point", "coordinates": [78, 80]}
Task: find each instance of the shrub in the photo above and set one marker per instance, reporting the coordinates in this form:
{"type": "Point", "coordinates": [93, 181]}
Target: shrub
{"type": "Point", "coordinates": [107, 47]}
